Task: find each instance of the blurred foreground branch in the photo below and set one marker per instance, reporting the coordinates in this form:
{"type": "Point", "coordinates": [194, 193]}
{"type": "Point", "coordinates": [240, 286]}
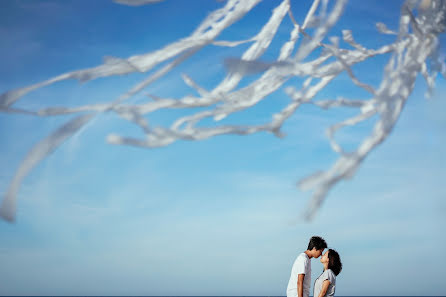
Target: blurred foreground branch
{"type": "Point", "coordinates": [414, 51]}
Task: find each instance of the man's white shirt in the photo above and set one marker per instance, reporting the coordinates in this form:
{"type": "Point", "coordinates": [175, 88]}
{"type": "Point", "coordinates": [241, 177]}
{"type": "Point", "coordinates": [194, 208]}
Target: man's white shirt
{"type": "Point", "coordinates": [302, 265]}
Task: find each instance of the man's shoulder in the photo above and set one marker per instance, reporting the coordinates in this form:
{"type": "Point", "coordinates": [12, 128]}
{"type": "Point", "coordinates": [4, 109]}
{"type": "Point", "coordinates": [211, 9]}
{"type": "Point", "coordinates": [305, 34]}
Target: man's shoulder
{"type": "Point", "coordinates": [303, 257]}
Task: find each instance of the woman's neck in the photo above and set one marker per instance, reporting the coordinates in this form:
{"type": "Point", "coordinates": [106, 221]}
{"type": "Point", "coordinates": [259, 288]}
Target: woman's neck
{"type": "Point", "coordinates": [325, 266]}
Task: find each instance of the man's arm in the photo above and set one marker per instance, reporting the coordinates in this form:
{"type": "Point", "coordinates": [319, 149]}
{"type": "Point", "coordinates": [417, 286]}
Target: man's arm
{"type": "Point", "coordinates": [300, 285]}
{"type": "Point", "coordinates": [324, 289]}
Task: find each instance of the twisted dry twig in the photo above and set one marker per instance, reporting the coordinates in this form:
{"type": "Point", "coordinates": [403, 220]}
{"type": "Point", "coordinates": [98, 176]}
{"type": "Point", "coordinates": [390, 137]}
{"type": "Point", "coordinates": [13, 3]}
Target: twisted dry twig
{"type": "Point", "coordinates": [416, 44]}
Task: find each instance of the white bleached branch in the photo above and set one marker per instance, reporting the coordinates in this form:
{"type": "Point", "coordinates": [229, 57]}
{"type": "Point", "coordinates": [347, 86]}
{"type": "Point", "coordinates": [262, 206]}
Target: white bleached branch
{"type": "Point", "coordinates": [414, 51]}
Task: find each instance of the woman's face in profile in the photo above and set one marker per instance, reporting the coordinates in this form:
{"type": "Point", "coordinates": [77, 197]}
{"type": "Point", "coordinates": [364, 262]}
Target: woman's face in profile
{"type": "Point", "coordinates": [324, 258]}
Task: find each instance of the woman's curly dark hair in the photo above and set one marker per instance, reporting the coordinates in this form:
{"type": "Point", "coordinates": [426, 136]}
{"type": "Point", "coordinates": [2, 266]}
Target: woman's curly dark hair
{"type": "Point", "coordinates": [334, 261]}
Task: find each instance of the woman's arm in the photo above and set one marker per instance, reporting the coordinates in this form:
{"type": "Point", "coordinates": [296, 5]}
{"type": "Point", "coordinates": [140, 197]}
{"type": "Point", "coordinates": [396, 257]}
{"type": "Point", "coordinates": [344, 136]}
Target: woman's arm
{"type": "Point", "coordinates": [324, 289]}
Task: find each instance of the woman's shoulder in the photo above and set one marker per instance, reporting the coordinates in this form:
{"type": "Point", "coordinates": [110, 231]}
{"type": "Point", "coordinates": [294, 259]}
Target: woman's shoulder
{"type": "Point", "coordinates": [330, 274]}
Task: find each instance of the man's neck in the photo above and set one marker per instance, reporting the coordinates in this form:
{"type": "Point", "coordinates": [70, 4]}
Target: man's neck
{"type": "Point", "coordinates": [308, 253]}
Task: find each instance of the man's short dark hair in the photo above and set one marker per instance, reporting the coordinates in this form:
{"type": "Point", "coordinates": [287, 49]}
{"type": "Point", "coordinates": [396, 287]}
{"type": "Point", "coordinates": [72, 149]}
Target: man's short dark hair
{"type": "Point", "coordinates": [317, 242]}
{"type": "Point", "coordinates": [334, 261]}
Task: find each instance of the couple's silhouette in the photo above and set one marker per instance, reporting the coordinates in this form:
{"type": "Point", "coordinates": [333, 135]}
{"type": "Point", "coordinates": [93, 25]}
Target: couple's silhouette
{"type": "Point", "coordinates": [300, 279]}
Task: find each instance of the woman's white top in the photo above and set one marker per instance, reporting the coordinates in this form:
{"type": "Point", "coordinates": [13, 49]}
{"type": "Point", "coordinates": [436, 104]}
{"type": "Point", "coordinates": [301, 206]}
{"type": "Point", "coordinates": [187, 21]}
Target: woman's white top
{"type": "Point", "coordinates": [326, 275]}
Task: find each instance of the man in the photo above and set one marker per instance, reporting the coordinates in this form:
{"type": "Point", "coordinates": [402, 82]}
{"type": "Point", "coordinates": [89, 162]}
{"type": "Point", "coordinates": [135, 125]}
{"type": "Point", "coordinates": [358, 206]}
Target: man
{"type": "Point", "coordinates": [300, 279]}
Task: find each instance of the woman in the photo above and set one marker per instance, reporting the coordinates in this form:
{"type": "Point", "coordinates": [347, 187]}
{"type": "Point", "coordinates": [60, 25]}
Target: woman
{"type": "Point", "coordinates": [325, 284]}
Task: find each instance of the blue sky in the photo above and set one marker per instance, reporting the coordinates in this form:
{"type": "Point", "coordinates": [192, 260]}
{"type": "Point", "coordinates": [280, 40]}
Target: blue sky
{"type": "Point", "coordinates": [214, 217]}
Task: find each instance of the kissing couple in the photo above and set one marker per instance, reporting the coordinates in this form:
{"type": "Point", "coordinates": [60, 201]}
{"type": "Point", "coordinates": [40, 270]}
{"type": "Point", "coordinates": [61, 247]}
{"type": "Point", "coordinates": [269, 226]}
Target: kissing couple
{"type": "Point", "coordinates": [300, 279]}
